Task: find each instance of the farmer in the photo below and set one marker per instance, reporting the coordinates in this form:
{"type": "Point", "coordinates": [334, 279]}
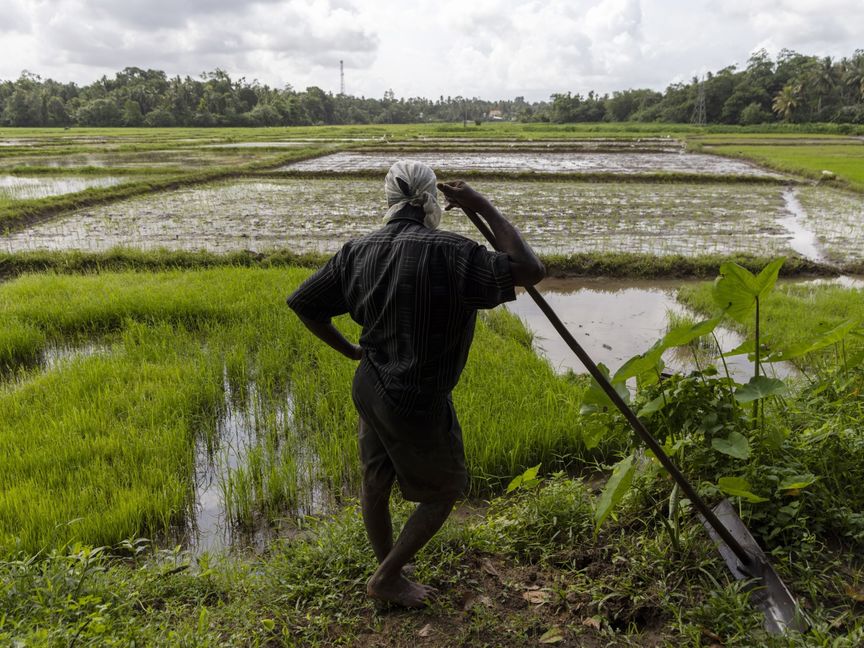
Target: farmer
{"type": "Point", "coordinates": [415, 290]}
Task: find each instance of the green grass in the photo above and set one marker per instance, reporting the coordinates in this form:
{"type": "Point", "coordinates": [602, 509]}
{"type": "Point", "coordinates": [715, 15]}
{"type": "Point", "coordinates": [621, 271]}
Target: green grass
{"type": "Point", "coordinates": [455, 129]}
{"type": "Point", "coordinates": [626, 587]}
{"type": "Point", "coordinates": [793, 313]}
{"type": "Point", "coordinates": [111, 435]}
{"type": "Point", "coordinates": [846, 161]}
{"type": "Point", "coordinates": [611, 264]}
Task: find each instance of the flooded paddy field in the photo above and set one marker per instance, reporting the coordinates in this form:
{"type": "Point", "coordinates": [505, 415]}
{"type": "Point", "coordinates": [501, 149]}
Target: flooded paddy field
{"type": "Point", "coordinates": [240, 425]}
{"type": "Point", "coordinates": [190, 402]}
{"type": "Point", "coordinates": [316, 215]}
{"type": "Point", "coordinates": [178, 158]}
{"type": "Point", "coordinates": [837, 220]}
{"type": "Point", "coordinates": [26, 188]}
{"type": "Point", "coordinates": [596, 145]}
{"type": "Point", "coordinates": [546, 162]}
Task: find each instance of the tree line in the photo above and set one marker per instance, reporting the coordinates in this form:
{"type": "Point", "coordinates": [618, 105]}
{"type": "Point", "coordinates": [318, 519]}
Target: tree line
{"type": "Point", "coordinates": [794, 88]}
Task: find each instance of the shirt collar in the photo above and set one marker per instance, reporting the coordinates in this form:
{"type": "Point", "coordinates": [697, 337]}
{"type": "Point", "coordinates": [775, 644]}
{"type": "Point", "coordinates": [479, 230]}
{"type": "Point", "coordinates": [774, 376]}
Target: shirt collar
{"type": "Point", "coordinates": [409, 213]}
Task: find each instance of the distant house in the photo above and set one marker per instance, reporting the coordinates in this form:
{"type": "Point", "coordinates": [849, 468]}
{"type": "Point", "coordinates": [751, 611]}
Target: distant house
{"type": "Point", "coordinates": [495, 115]}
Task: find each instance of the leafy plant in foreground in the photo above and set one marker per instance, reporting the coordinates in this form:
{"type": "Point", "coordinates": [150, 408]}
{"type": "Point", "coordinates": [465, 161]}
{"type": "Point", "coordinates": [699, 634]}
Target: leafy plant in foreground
{"type": "Point", "coordinates": [702, 414]}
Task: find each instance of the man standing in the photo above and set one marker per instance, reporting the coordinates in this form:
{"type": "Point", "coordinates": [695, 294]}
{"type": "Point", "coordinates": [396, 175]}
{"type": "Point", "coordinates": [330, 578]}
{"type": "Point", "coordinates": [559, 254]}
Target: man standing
{"type": "Point", "coordinates": [415, 291]}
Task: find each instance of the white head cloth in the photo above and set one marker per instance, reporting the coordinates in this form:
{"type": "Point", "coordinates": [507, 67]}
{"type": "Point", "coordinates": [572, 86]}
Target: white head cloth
{"type": "Point", "coordinates": [417, 187]}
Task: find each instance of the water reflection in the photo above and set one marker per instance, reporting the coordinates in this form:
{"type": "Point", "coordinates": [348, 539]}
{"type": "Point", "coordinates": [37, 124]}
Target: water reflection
{"type": "Point", "coordinates": [616, 319]}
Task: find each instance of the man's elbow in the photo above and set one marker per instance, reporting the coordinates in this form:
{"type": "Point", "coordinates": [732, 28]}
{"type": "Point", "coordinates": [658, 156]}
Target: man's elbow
{"type": "Point", "coordinates": [530, 274]}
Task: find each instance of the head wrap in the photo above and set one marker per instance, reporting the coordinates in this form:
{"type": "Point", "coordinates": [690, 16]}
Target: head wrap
{"type": "Point", "coordinates": [412, 183]}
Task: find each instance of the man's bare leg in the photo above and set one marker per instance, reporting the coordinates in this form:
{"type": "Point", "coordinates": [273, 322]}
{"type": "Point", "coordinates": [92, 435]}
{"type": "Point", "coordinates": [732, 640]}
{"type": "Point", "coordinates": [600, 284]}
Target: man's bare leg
{"type": "Point", "coordinates": [388, 583]}
{"type": "Point", "coordinates": [375, 504]}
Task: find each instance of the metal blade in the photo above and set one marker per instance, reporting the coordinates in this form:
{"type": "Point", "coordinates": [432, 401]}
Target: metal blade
{"type": "Point", "coordinates": [767, 591]}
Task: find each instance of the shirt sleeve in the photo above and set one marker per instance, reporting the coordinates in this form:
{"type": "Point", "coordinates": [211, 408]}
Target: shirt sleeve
{"type": "Point", "coordinates": [320, 297]}
{"type": "Point", "coordinates": [483, 277]}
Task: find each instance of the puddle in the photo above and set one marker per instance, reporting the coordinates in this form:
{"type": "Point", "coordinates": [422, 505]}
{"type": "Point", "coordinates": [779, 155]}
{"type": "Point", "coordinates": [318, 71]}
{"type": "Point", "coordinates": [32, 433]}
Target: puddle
{"type": "Point", "coordinates": [614, 320]}
{"type": "Point", "coordinates": [836, 218]}
{"type": "Point", "coordinates": [211, 525]}
{"type": "Point", "coordinates": [51, 358]}
{"type": "Point", "coordinates": [551, 162]}
{"type": "Point", "coordinates": [27, 188]}
{"type": "Point", "coordinates": [254, 435]}
{"type": "Point", "coordinates": [803, 240]}
{"type": "Point", "coordinates": [21, 142]}
{"type": "Point", "coordinates": [55, 356]}
{"type": "Point", "coordinates": [318, 215]}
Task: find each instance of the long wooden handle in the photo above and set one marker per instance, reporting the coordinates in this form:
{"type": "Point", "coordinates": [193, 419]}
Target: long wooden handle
{"type": "Point", "coordinates": [625, 409]}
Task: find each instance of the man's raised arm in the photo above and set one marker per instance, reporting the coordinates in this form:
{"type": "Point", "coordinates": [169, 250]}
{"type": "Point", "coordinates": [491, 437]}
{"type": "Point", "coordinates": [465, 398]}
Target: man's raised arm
{"type": "Point", "coordinates": [525, 267]}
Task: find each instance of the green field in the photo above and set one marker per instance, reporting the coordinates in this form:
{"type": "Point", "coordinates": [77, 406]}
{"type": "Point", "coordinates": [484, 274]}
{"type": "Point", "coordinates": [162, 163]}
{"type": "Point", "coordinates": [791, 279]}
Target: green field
{"type": "Point", "coordinates": [845, 161]}
{"type": "Point", "coordinates": [156, 360]}
{"type": "Point", "coordinates": [156, 392]}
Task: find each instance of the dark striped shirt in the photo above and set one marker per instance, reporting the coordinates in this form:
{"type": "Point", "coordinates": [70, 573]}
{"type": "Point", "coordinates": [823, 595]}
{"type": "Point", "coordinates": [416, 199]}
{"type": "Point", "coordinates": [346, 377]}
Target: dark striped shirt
{"type": "Point", "coordinates": [415, 291]}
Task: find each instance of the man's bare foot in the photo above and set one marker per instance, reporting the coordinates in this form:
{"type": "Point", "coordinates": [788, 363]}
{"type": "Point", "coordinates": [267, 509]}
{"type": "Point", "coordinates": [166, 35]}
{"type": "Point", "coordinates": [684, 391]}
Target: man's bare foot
{"type": "Point", "coordinates": [400, 591]}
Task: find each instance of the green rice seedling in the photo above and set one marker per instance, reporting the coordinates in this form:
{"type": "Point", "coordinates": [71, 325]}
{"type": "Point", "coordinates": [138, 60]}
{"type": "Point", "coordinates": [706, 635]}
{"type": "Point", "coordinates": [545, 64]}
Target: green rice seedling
{"type": "Point", "coordinates": [845, 161]}
{"type": "Point", "coordinates": [186, 352]}
{"type": "Point", "coordinates": [101, 446]}
{"type": "Point", "coordinates": [795, 312]}
{"type": "Point", "coordinates": [319, 215]}
{"type": "Point", "coordinates": [20, 343]}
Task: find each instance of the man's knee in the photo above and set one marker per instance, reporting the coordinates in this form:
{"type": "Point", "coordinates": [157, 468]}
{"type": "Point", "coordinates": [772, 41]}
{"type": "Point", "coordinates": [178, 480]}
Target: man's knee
{"type": "Point", "coordinates": [377, 483]}
{"type": "Point", "coordinates": [444, 500]}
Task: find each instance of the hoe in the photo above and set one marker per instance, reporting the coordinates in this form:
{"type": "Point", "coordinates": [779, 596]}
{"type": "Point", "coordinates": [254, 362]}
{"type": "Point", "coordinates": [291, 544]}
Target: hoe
{"type": "Point", "coordinates": [742, 554]}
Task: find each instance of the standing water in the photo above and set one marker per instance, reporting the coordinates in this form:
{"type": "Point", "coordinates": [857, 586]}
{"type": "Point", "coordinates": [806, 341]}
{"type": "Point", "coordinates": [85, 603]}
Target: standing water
{"type": "Point", "coordinates": [614, 320]}
{"type": "Point", "coordinates": [803, 240]}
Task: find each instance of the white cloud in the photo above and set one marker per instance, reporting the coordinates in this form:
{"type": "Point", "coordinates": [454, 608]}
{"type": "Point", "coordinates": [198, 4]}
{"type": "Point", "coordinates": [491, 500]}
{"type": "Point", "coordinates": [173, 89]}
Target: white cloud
{"type": "Point", "coordinates": [490, 48]}
{"type": "Point", "coordinates": [15, 17]}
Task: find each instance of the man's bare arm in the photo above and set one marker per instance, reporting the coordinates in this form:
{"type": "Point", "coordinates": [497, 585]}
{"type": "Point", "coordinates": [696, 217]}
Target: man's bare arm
{"type": "Point", "coordinates": [330, 335]}
{"type": "Point", "coordinates": [525, 267]}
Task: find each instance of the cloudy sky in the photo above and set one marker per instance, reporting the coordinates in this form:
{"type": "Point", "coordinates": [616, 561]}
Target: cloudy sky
{"type": "Point", "coordinates": [486, 48]}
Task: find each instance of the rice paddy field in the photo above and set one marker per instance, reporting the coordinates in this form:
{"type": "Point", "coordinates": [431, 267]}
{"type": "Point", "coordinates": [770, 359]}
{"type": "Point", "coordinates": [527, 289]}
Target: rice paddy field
{"type": "Point", "coordinates": [620, 162]}
{"type": "Point", "coordinates": [15, 188]}
{"type": "Point", "coordinates": [171, 400]}
{"type": "Point", "coordinates": [319, 215]}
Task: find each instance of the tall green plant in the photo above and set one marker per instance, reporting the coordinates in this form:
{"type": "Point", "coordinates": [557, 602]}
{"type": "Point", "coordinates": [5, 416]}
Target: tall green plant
{"type": "Point", "coordinates": [739, 293]}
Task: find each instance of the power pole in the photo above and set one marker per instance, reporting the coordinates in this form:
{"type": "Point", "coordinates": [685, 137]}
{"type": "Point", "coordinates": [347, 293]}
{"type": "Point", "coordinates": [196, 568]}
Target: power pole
{"type": "Point", "coordinates": [341, 78]}
{"type": "Point", "coordinates": [699, 116]}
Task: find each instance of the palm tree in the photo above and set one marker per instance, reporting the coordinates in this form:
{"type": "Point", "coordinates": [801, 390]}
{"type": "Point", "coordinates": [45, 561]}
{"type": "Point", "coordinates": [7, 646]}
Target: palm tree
{"type": "Point", "coordinates": [854, 74]}
{"type": "Point", "coordinates": [786, 101]}
{"type": "Point", "coordinates": [822, 78]}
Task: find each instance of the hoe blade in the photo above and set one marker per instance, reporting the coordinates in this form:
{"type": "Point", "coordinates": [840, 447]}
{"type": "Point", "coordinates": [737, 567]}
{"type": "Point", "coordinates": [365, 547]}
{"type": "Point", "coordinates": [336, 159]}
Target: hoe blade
{"type": "Point", "coordinates": [767, 591]}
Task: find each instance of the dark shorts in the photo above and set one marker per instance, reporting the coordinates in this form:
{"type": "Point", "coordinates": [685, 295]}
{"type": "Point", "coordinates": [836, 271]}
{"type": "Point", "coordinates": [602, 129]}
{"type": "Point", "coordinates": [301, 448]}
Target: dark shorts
{"type": "Point", "coordinates": [424, 453]}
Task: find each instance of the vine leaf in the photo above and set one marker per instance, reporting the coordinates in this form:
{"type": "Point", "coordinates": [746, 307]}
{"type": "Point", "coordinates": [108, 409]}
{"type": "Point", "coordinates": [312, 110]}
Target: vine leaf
{"type": "Point", "coordinates": [795, 483]}
{"type": "Point", "coordinates": [739, 487]}
{"type": "Point", "coordinates": [759, 387]}
{"type": "Point", "coordinates": [616, 488]}
{"type": "Point", "coordinates": [596, 400]}
{"type": "Point", "coordinates": [734, 445]}
{"type": "Point", "coordinates": [736, 289]}
{"type": "Point", "coordinates": [526, 480]}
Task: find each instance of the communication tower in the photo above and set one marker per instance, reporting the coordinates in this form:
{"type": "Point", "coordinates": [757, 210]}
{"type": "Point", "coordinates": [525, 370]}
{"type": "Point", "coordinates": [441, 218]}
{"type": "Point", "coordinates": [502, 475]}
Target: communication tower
{"type": "Point", "coordinates": [341, 78]}
{"type": "Point", "coordinates": [699, 117]}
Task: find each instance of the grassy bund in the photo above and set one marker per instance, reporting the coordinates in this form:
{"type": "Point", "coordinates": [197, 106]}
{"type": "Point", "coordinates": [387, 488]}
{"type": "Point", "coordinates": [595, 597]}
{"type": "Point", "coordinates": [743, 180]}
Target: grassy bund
{"type": "Point", "coordinates": [138, 386]}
